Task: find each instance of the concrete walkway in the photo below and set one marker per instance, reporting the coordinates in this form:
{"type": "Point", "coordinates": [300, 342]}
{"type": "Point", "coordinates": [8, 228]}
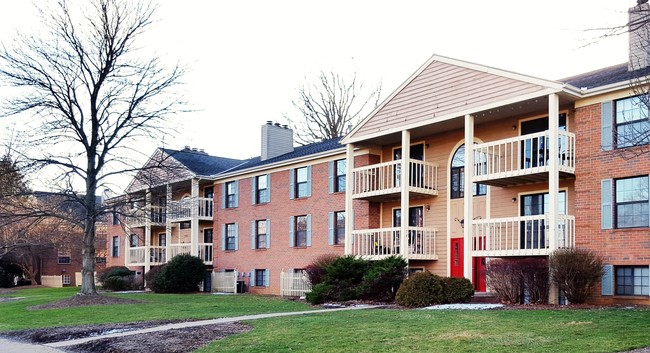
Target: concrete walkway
{"type": "Point", "coordinates": [18, 347]}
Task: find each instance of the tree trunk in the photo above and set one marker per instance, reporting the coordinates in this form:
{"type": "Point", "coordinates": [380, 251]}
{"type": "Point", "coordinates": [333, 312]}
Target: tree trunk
{"type": "Point", "coordinates": [88, 249]}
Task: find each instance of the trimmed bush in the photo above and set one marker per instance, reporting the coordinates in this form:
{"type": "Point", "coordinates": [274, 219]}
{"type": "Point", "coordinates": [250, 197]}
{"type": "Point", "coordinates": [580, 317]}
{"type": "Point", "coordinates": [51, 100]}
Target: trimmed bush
{"type": "Point", "coordinates": [316, 270]}
{"type": "Point", "coordinates": [117, 278]}
{"type": "Point", "coordinates": [576, 272]}
{"type": "Point", "coordinates": [153, 272]}
{"type": "Point", "coordinates": [457, 290]}
{"type": "Point", "coordinates": [319, 294]}
{"type": "Point", "coordinates": [182, 274]}
{"type": "Point", "coordinates": [420, 289]}
{"type": "Point", "coordinates": [383, 279]}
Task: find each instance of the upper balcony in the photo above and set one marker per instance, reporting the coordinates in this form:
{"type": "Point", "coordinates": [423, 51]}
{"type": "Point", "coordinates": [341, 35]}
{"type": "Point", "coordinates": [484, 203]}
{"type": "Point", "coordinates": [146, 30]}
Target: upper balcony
{"type": "Point", "coordinates": [375, 244]}
{"type": "Point", "coordinates": [181, 210]}
{"type": "Point", "coordinates": [521, 236]}
{"type": "Point", "coordinates": [154, 215]}
{"type": "Point", "coordinates": [522, 159]}
{"type": "Point", "coordinates": [381, 182]}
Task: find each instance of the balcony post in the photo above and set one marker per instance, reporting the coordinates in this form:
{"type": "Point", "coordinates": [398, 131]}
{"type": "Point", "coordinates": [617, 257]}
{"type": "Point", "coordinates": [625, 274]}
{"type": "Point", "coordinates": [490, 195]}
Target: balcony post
{"type": "Point", "coordinates": [404, 192]}
{"type": "Point", "coordinates": [127, 245]}
{"type": "Point", "coordinates": [468, 206]}
{"type": "Point", "coordinates": [349, 202]}
{"type": "Point", "coordinates": [168, 223]}
{"type": "Point", "coordinates": [553, 181]}
{"type": "Point", "coordinates": [147, 231]}
{"type": "Point", "coordinates": [194, 223]}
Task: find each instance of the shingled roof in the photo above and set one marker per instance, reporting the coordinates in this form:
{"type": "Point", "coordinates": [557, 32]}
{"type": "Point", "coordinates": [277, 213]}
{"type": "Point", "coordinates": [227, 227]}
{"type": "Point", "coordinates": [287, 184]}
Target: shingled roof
{"type": "Point", "coordinates": [302, 151]}
{"type": "Point", "coordinates": [201, 163]}
{"type": "Point", "coordinates": [605, 76]}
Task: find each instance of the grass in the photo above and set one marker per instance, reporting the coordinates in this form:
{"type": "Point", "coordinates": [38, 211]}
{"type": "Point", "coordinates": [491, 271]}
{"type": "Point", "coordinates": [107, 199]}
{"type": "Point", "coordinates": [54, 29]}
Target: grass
{"type": "Point", "coordinates": [606, 330]}
{"type": "Point", "coordinates": [15, 316]}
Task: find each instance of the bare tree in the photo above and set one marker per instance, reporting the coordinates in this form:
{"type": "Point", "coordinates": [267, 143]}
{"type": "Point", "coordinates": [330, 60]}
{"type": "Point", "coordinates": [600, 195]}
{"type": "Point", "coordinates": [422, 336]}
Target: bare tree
{"type": "Point", "coordinates": [329, 107]}
{"type": "Point", "coordinates": [94, 96]}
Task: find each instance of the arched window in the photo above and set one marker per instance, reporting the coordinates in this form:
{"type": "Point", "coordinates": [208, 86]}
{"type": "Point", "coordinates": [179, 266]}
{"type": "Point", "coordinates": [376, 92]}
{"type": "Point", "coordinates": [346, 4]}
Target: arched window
{"type": "Point", "coordinates": [457, 176]}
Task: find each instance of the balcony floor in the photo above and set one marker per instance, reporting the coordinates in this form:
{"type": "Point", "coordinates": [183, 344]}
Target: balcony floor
{"type": "Point", "coordinates": [394, 195]}
{"type": "Point", "coordinates": [528, 178]}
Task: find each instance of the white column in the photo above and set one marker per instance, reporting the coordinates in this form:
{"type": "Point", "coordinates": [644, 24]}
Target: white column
{"type": "Point", "coordinates": [468, 208]}
{"type": "Point", "coordinates": [147, 231]}
{"type": "Point", "coordinates": [553, 181]}
{"type": "Point", "coordinates": [349, 202]}
{"type": "Point", "coordinates": [194, 243]}
{"type": "Point", "coordinates": [404, 195]}
{"type": "Point", "coordinates": [168, 223]}
{"type": "Point", "coordinates": [126, 246]}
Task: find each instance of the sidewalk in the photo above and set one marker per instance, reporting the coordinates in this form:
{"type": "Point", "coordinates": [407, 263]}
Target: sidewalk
{"type": "Point", "coordinates": [19, 347]}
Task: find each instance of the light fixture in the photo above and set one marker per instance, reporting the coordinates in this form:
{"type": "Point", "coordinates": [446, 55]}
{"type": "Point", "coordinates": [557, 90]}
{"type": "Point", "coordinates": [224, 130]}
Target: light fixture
{"type": "Point", "coordinates": [514, 199]}
{"type": "Point", "coordinates": [426, 146]}
{"type": "Point", "coordinates": [514, 127]}
{"type": "Point", "coordinates": [428, 207]}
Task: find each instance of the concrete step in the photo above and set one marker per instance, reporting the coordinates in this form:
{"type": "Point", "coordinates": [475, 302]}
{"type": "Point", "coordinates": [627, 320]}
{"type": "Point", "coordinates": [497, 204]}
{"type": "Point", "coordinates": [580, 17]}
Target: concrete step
{"type": "Point", "coordinates": [484, 297]}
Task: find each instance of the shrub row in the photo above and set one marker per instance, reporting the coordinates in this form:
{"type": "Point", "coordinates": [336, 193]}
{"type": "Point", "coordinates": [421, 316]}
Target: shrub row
{"type": "Point", "coordinates": [424, 288]}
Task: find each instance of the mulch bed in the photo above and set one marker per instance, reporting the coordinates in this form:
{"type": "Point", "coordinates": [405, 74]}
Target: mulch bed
{"type": "Point", "coordinates": [84, 300]}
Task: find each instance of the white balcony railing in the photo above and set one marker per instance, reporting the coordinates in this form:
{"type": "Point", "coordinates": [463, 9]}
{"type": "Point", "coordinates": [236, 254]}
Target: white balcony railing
{"type": "Point", "coordinates": [139, 216]}
{"type": "Point", "coordinates": [157, 255]}
{"type": "Point", "coordinates": [182, 209]}
{"type": "Point", "coordinates": [522, 155]}
{"type": "Point", "coordinates": [179, 249]}
{"type": "Point", "coordinates": [381, 242]}
{"type": "Point", "coordinates": [520, 236]}
{"type": "Point", "coordinates": [136, 255]}
{"type": "Point", "coordinates": [384, 178]}
{"type": "Point", "coordinates": [205, 252]}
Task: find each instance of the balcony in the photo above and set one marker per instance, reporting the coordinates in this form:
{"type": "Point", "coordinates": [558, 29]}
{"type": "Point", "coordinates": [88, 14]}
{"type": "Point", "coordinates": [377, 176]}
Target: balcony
{"type": "Point", "coordinates": [522, 159]}
{"type": "Point", "coordinates": [381, 182]}
{"type": "Point", "coordinates": [204, 253]}
{"type": "Point", "coordinates": [181, 210]}
{"type": "Point", "coordinates": [156, 215]}
{"type": "Point", "coordinates": [157, 254]}
{"type": "Point", "coordinates": [520, 236]}
{"type": "Point", "coordinates": [375, 244]}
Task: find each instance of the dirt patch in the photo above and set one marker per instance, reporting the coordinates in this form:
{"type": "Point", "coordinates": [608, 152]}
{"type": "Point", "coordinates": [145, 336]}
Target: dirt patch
{"type": "Point", "coordinates": [5, 299]}
{"type": "Point", "coordinates": [84, 300]}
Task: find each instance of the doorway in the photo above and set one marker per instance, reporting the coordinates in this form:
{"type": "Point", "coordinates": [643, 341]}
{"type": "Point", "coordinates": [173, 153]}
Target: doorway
{"type": "Point", "coordinates": [457, 268]}
{"type": "Point", "coordinates": [417, 174]}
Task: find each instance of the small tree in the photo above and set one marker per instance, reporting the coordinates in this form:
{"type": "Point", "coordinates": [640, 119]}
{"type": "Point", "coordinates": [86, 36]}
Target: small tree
{"type": "Point", "coordinates": [576, 272]}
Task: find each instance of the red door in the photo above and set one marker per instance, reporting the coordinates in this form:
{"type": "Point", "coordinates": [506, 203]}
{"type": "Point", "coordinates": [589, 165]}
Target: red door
{"type": "Point", "coordinates": [478, 268]}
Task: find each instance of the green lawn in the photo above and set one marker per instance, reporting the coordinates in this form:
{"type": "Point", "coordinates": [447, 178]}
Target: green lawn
{"type": "Point", "coordinates": [607, 330]}
{"type": "Point", "coordinates": [15, 316]}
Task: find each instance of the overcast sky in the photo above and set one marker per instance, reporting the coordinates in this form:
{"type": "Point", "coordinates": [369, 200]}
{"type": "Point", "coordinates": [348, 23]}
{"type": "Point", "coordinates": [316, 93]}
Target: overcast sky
{"type": "Point", "coordinates": [246, 59]}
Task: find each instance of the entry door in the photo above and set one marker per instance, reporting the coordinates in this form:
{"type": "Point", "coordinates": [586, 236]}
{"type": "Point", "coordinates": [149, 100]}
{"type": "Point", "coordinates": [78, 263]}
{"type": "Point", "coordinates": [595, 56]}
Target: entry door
{"type": "Point", "coordinates": [415, 217]}
{"type": "Point", "coordinates": [534, 152]}
{"type": "Point", "coordinates": [457, 268]}
{"type": "Point", "coordinates": [417, 175]}
{"type": "Point", "coordinates": [207, 239]}
{"type": "Point", "coordinates": [208, 193]}
{"type": "Point", "coordinates": [533, 232]}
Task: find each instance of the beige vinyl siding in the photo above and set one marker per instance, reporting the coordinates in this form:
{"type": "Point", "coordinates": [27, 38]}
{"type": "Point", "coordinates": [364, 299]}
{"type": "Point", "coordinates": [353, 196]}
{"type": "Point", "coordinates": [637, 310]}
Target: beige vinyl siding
{"type": "Point", "coordinates": [442, 89]}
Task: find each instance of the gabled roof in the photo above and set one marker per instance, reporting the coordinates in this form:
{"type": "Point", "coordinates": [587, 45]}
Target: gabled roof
{"type": "Point", "coordinates": [201, 163]}
{"type": "Point", "coordinates": [445, 88]}
{"type": "Point", "coordinates": [298, 152]}
{"type": "Point", "coordinates": [606, 76]}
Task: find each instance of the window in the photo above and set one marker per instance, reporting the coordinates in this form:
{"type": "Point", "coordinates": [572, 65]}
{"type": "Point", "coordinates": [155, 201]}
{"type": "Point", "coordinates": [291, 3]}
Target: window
{"type": "Point", "coordinates": [133, 240]}
{"type": "Point", "coordinates": [337, 228]}
{"type": "Point", "coordinates": [115, 246]}
{"type": "Point", "coordinates": [340, 168]}
{"type": "Point", "coordinates": [185, 225]}
{"type": "Point", "coordinates": [230, 194]}
{"type": "Point", "coordinates": [532, 231]}
{"type": "Point", "coordinates": [300, 235]}
{"type": "Point", "coordinates": [260, 234]}
{"type": "Point", "coordinates": [457, 176]}
{"type": "Point", "coordinates": [632, 280]}
{"type": "Point", "coordinates": [162, 239]}
{"type": "Point", "coordinates": [302, 182]}
{"type": "Point", "coordinates": [631, 199]}
{"type": "Point", "coordinates": [261, 278]}
{"type": "Point", "coordinates": [67, 280]}
{"type": "Point", "coordinates": [230, 236]}
{"type": "Point", "coordinates": [64, 257]}
{"type": "Point", "coordinates": [632, 125]}
{"type": "Point", "coordinates": [261, 189]}
{"type": "Point", "coordinates": [100, 260]}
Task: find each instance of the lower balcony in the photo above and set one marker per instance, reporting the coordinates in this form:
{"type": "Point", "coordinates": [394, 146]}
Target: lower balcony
{"type": "Point", "coordinates": [520, 236]}
{"type": "Point", "coordinates": [158, 254]}
{"type": "Point", "coordinates": [375, 244]}
{"type": "Point", "coordinates": [381, 182]}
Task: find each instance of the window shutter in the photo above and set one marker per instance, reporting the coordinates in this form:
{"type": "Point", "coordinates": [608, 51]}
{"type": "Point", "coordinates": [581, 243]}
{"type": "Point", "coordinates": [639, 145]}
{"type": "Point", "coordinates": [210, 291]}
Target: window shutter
{"type": "Point", "coordinates": [606, 209]}
{"type": "Point", "coordinates": [606, 121]}
{"type": "Point", "coordinates": [223, 237]}
{"type": "Point", "coordinates": [267, 275]}
{"type": "Point", "coordinates": [308, 181]}
{"type": "Point", "coordinates": [308, 230]}
{"type": "Point", "coordinates": [292, 237]}
{"type": "Point", "coordinates": [330, 176]}
{"type": "Point", "coordinates": [253, 189]}
{"type": "Point", "coordinates": [268, 233]}
{"type": "Point", "coordinates": [292, 188]}
{"type": "Point", "coordinates": [252, 278]}
{"type": "Point", "coordinates": [223, 195]}
{"type": "Point", "coordinates": [268, 187]}
{"type": "Point", "coordinates": [236, 203]}
{"type": "Point", "coordinates": [236, 236]}
{"type": "Point", "coordinates": [330, 231]}
{"type": "Point", "coordinates": [607, 280]}
{"type": "Point", "coordinates": [253, 231]}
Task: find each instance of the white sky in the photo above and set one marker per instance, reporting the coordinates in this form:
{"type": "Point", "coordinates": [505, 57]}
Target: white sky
{"type": "Point", "coordinates": [247, 58]}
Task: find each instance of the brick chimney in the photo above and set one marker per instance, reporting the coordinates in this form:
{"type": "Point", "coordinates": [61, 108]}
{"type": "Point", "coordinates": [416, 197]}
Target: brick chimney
{"type": "Point", "coordinates": [276, 140]}
{"type": "Point", "coordinates": [639, 32]}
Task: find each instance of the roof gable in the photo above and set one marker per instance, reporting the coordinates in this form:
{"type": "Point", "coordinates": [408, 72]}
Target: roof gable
{"type": "Point", "coordinates": [446, 88]}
